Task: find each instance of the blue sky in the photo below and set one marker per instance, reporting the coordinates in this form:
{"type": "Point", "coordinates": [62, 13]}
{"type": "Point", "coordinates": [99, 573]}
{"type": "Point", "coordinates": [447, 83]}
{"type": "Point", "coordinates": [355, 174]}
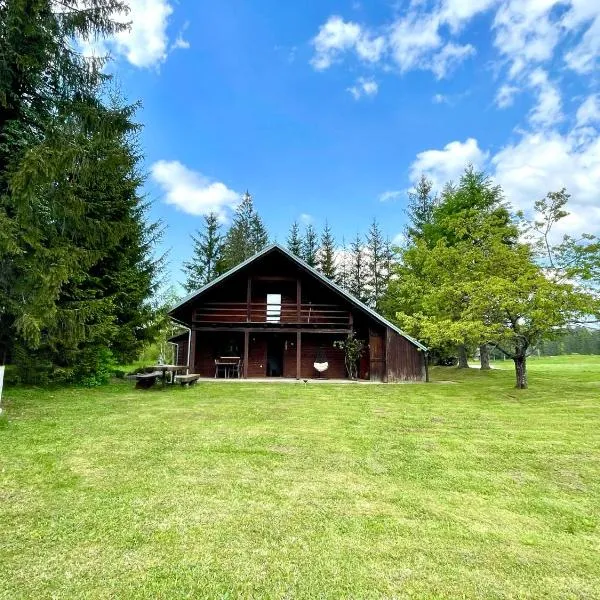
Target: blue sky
{"type": "Point", "coordinates": [331, 109]}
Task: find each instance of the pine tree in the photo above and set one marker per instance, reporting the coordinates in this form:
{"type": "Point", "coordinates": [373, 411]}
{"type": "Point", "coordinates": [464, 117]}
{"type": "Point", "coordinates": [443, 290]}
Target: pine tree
{"type": "Point", "coordinates": [310, 246]}
{"type": "Point", "coordinates": [207, 259]}
{"type": "Point", "coordinates": [343, 278]}
{"type": "Point", "coordinates": [421, 204]}
{"type": "Point", "coordinates": [294, 240]}
{"type": "Point", "coordinates": [75, 270]}
{"type": "Point", "coordinates": [327, 264]}
{"type": "Point", "coordinates": [375, 262]}
{"type": "Point", "coordinates": [357, 269]}
{"type": "Point", "coordinates": [246, 236]}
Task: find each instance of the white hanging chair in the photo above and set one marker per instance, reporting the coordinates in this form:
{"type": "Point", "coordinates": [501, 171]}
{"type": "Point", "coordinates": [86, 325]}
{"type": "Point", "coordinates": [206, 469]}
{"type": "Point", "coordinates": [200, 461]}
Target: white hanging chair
{"type": "Point", "coordinates": [321, 365]}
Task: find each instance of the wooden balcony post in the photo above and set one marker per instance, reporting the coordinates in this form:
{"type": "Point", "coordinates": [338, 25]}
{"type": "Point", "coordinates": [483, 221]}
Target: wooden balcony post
{"type": "Point", "coordinates": [298, 354]}
{"type": "Point", "coordinates": [298, 300]}
{"type": "Point", "coordinates": [246, 346]}
{"type": "Point", "coordinates": [248, 300]}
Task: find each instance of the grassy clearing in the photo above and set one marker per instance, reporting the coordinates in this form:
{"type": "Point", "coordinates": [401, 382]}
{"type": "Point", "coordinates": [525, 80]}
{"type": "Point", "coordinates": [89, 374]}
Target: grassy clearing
{"type": "Point", "coordinates": [460, 489]}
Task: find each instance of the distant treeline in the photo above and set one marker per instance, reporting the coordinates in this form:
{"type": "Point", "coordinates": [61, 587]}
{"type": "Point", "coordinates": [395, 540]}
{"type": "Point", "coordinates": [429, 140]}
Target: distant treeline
{"type": "Point", "coordinates": [580, 340]}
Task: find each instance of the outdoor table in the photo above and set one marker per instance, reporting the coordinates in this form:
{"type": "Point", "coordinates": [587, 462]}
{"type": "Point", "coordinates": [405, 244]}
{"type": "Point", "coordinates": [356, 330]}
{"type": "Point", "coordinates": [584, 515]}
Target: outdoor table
{"type": "Point", "coordinates": [169, 369]}
{"type": "Point", "coordinates": [227, 362]}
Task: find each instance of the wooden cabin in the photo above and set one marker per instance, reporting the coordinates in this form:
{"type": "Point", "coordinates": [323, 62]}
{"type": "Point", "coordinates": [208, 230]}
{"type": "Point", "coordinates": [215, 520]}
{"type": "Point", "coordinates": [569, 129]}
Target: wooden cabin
{"type": "Point", "coordinates": [280, 316]}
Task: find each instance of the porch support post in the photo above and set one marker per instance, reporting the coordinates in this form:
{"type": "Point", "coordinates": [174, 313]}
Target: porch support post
{"type": "Point", "coordinates": [246, 345]}
{"type": "Point", "coordinates": [192, 352]}
{"type": "Point", "coordinates": [298, 353]}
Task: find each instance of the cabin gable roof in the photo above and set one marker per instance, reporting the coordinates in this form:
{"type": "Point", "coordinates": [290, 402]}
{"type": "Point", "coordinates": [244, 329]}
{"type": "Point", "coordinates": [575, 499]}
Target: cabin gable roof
{"type": "Point", "coordinates": [311, 270]}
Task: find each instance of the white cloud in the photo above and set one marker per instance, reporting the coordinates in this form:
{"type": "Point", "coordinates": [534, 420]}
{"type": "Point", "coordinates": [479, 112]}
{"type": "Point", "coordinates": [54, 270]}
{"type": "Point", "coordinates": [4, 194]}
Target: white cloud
{"type": "Point", "coordinates": [584, 57]}
{"type": "Point", "coordinates": [537, 163]}
{"type": "Point", "coordinates": [589, 111]}
{"type": "Point", "coordinates": [145, 43]}
{"type": "Point", "coordinates": [363, 87]}
{"type": "Point", "coordinates": [337, 36]}
{"type": "Point", "coordinates": [390, 195]}
{"type": "Point", "coordinates": [445, 165]}
{"type": "Point", "coordinates": [440, 99]}
{"type": "Point", "coordinates": [192, 192]}
{"type": "Point", "coordinates": [548, 161]}
{"type": "Point", "coordinates": [547, 111]}
{"type": "Point", "coordinates": [526, 34]}
{"type": "Point", "coordinates": [450, 57]}
{"type": "Point", "coordinates": [506, 95]}
{"type": "Point", "coordinates": [306, 219]}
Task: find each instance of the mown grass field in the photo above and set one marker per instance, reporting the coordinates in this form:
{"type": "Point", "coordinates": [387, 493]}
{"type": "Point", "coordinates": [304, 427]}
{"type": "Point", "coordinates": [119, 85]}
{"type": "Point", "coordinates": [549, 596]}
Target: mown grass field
{"type": "Point", "coordinates": [463, 488]}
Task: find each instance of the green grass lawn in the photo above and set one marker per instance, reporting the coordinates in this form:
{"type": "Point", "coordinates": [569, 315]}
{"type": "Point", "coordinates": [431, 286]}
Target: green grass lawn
{"type": "Point", "coordinates": [463, 488]}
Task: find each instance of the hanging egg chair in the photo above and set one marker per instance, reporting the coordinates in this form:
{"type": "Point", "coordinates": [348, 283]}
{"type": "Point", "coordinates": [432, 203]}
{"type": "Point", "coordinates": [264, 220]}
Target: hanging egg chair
{"type": "Point", "coordinates": [321, 365]}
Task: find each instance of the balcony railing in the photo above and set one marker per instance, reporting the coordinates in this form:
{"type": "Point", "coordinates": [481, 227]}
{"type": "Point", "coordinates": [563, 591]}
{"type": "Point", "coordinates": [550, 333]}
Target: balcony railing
{"type": "Point", "coordinates": [261, 312]}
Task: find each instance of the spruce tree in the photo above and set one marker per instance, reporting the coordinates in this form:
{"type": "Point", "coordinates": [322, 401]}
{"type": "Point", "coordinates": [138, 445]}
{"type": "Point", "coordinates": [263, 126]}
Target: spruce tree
{"type": "Point", "coordinates": [310, 246]}
{"type": "Point", "coordinates": [375, 263]}
{"type": "Point", "coordinates": [421, 204]}
{"type": "Point", "coordinates": [246, 236]}
{"type": "Point", "coordinates": [207, 260]}
{"type": "Point", "coordinates": [294, 240]}
{"type": "Point", "coordinates": [357, 269]}
{"type": "Point", "coordinates": [327, 254]}
{"type": "Point", "coordinates": [75, 270]}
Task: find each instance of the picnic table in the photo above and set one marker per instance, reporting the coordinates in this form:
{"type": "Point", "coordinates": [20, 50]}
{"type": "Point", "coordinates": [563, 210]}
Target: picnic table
{"type": "Point", "coordinates": [172, 369]}
{"type": "Point", "coordinates": [231, 365]}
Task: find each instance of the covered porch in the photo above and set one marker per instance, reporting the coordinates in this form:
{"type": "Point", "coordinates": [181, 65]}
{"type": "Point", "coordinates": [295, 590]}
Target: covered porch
{"type": "Point", "coordinates": [268, 353]}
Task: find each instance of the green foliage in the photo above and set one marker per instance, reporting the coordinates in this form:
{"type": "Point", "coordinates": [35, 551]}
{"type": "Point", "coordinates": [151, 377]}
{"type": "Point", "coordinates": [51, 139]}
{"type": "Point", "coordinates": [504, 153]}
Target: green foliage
{"type": "Point", "coordinates": [310, 246]}
{"type": "Point", "coordinates": [376, 259]}
{"type": "Point", "coordinates": [353, 349]}
{"type": "Point", "coordinates": [75, 266]}
{"type": "Point", "coordinates": [357, 269]}
{"type": "Point", "coordinates": [207, 260]}
{"type": "Point", "coordinates": [246, 236]}
{"type": "Point", "coordinates": [294, 240]}
{"type": "Point", "coordinates": [421, 205]}
{"type": "Point", "coordinates": [468, 280]}
{"type": "Point", "coordinates": [327, 264]}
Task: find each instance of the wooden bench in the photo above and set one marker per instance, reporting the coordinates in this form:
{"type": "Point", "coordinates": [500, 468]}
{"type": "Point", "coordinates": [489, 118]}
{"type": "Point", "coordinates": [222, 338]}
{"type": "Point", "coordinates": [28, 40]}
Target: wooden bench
{"type": "Point", "coordinates": [147, 380]}
{"type": "Point", "coordinates": [187, 379]}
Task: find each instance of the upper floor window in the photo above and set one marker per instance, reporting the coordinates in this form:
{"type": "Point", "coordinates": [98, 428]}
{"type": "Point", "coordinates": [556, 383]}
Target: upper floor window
{"type": "Point", "coordinates": [273, 308]}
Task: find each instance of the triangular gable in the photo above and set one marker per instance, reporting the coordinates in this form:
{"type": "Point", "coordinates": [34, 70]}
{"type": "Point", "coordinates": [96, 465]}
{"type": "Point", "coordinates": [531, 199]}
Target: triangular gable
{"type": "Point", "coordinates": [342, 292]}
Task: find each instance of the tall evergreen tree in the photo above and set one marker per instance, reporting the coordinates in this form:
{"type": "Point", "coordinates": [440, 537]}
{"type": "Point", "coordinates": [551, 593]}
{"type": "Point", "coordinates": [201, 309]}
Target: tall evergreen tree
{"type": "Point", "coordinates": [357, 269]}
{"type": "Point", "coordinates": [343, 271]}
{"type": "Point", "coordinates": [310, 246]}
{"type": "Point", "coordinates": [207, 260]}
{"type": "Point", "coordinates": [68, 195]}
{"type": "Point", "coordinates": [327, 264]}
{"type": "Point", "coordinates": [294, 240]}
{"type": "Point", "coordinates": [375, 263]}
{"type": "Point", "coordinates": [421, 204]}
{"type": "Point", "coordinates": [246, 236]}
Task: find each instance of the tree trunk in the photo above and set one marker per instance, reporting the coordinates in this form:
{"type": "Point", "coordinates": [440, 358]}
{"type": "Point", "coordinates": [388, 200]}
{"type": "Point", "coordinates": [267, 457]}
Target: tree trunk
{"type": "Point", "coordinates": [484, 356]}
{"type": "Point", "coordinates": [521, 371]}
{"type": "Point", "coordinates": [462, 357]}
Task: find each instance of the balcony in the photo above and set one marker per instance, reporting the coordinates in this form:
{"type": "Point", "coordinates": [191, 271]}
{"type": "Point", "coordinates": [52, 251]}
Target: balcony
{"type": "Point", "coordinates": [262, 313]}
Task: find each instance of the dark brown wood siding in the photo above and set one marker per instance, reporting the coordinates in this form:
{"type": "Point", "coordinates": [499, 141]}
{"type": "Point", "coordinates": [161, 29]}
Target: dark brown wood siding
{"type": "Point", "coordinates": [312, 344]}
{"type": "Point", "coordinates": [405, 362]}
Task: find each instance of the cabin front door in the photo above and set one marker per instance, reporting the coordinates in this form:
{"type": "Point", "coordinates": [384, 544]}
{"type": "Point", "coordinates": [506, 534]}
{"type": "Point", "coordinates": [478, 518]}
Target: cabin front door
{"type": "Point", "coordinates": [376, 356]}
{"type": "Point", "coordinates": [274, 357]}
